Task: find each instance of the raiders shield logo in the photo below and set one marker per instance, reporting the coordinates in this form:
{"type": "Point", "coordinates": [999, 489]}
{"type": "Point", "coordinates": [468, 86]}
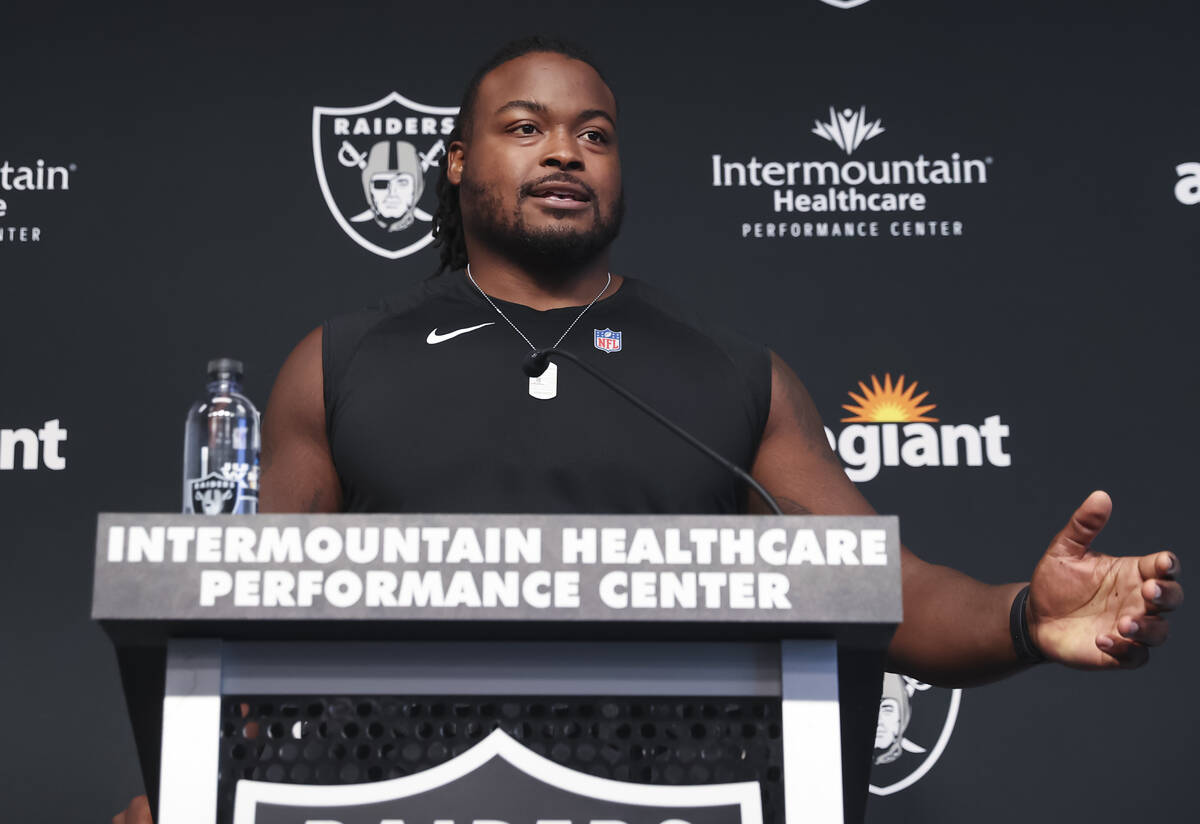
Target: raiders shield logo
{"type": "Point", "coordinates": [214, 494]}
{"type": "Point", "coordinates": [914, 726]}
{"type": "Point", "coordinates": [497, 780]}
{"type": "Point", "coordinates": [377, 164]}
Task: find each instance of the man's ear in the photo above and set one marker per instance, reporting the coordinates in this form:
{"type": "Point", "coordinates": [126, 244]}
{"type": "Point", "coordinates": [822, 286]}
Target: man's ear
{"type": "Point", "coordinates": [454, 162]}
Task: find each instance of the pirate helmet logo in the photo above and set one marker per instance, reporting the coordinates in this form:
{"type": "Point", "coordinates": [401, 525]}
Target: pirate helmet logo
{"type": "Point", "coordinates": [908, 743]}
{"type": "Point", "coordinates": [392, 183]}
{"type": "Point", "coordinates": [375, 163]}
{"type": "Point", "coordinates": [213, 494]}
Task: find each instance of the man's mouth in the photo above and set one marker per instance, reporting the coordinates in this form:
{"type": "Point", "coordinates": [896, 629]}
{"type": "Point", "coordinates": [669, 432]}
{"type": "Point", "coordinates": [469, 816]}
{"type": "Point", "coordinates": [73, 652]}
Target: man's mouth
{"type": "Point", "coordinates": [561, 194]}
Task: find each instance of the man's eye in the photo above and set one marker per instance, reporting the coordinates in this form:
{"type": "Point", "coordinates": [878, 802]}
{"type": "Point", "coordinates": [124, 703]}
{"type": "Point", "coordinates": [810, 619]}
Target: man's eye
{"type": "Point", "coordinates": [525, 129]}
{"type": "Point", "coordinates": [595, 136]}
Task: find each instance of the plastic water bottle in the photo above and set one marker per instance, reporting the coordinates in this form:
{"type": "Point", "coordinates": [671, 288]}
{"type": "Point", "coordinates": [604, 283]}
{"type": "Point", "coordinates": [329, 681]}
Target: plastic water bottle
{"type": "Point", "coordinates": [221, 445]}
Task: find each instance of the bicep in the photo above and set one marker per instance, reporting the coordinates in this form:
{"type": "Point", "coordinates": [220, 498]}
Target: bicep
{"type": "Point", "coordinates": [794, 460]}
{"type": "Point", "coordinates": [298, 471]}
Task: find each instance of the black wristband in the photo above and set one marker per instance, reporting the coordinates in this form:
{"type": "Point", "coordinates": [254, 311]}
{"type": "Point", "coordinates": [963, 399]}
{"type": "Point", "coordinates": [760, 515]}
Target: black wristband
{"type": "Point", "coordinates": [1018, 628]}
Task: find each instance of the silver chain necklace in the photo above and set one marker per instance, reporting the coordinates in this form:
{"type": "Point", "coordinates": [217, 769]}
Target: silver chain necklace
{"type": "Point", "coordinates": [544, 387]}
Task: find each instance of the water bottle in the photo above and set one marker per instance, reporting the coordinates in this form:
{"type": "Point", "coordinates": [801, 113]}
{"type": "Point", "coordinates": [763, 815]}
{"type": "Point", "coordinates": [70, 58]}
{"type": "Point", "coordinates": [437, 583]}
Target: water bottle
{"type": "Point", "coordinates": [221, 444]}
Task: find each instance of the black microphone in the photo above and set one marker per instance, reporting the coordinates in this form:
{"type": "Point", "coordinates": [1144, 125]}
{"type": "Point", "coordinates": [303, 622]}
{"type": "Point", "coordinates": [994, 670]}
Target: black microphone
{"type": "Point", "coordinates": [538, 361]}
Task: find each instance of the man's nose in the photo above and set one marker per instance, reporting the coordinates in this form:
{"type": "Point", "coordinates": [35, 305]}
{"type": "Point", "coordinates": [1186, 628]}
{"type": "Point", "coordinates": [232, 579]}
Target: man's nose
{"type": "Point", "coordinates": [562, 152]}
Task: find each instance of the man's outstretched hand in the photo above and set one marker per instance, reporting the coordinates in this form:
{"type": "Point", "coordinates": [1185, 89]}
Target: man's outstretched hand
{"type": "Point", "coordinates": [1093, 611]}
{"type": "Point", "coordinates": [138, 812]}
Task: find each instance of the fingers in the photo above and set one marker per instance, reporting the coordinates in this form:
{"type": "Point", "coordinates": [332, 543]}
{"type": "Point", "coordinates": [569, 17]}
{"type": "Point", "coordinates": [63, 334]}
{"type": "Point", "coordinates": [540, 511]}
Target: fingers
{"type": "Point", "coordinates": [1163, 564]}
{"type": "Point", "coordinates": [1121, 652]}
{"type": "Point", "coordinates": [1085, 523]}
{"type": "Point", "coordinates": [1148, 630]}
{"type": "Point", "coordinates": [138, 812]}
{"type": "Point", "coordinates": [1162, 596]}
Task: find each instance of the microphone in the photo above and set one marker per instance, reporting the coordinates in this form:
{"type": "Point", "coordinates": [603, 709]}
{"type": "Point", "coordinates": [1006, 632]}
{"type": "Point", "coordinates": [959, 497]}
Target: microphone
{"type": "Point", "coordinates": [539, 360]}
{"type": "Point", "coordinates": [537, 363]}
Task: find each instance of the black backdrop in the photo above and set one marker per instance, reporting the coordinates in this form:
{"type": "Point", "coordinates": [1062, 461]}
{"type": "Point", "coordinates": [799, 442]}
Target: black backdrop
{"type": "Point", "coordinates": [194, 226]}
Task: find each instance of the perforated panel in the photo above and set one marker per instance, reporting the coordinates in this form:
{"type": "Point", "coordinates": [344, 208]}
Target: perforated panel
{"type": "Point", "coordinates": [352, 739]}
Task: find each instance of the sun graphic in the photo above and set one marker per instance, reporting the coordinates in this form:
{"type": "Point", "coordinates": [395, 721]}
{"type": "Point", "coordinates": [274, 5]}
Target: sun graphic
{"type": "Point", "coordinates": [888, 403]}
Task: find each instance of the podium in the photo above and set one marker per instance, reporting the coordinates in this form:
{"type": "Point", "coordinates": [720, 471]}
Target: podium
{"type": "Point", "coordinates": [344, 669]}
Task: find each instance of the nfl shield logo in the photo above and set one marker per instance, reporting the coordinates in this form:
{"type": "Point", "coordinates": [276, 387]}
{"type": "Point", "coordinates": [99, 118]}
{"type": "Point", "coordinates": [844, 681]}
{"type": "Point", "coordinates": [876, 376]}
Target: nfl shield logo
{"type": "Point", "coordinates": [607, 340]}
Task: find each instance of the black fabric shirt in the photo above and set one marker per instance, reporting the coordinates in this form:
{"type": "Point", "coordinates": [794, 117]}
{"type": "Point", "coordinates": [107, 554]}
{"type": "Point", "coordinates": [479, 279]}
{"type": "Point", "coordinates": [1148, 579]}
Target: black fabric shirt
{"type": "Point", "coordinates": [421, 419]}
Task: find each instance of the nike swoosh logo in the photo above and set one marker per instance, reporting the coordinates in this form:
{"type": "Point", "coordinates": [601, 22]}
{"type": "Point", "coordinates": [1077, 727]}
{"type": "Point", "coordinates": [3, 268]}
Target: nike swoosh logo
{"type": "Point", "coordinates": [434, 337]}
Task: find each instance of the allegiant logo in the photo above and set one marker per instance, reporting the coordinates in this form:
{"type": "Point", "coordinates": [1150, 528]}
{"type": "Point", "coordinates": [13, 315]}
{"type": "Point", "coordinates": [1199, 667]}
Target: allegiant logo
{"type": "Point", "coordinates": [889, 425]}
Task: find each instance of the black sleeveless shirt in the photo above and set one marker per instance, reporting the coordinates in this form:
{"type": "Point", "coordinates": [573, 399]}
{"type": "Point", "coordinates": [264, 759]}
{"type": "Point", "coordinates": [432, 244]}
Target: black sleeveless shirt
{"type": "Point", "coordinates": [427, 409]}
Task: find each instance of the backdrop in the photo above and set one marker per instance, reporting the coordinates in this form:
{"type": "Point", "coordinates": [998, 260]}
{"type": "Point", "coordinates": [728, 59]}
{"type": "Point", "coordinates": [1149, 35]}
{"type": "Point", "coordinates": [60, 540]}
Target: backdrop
{"type": "Point", "coordinates": [996, 200]}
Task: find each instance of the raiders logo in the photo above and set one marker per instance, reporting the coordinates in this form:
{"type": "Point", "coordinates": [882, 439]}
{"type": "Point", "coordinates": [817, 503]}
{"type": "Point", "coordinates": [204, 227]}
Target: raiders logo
{"type": "Point", "coordinates": [497, 780]}
{"type": "Point", "coordinates": [213, 494]}
{"type": "Point", "coordinates": [915, 723]}
{"type": "Point", "coordinates": [377, 164]}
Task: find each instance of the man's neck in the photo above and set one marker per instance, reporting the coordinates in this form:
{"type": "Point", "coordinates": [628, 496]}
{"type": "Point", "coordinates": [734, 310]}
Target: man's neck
{"type": "Point", "coordinates": [504, 280]}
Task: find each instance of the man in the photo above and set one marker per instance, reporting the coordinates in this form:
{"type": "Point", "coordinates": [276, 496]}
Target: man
{"type": "Point", "coordinates": [419, 405]}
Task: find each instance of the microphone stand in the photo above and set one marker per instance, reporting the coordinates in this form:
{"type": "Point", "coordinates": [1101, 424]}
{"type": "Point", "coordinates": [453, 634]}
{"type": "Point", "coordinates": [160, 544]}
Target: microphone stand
{"type": "Point", "coordinates": [535, 364]}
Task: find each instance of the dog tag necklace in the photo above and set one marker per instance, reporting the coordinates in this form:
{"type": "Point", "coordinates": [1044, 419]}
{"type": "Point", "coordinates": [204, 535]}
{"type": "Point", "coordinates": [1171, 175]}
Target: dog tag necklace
{"type": "Point", "coordinates": [545, 386]}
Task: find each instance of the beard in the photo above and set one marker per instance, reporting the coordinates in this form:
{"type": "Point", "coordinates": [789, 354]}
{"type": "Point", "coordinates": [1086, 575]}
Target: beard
{"type": "Point", "coordinates": [552, 251]}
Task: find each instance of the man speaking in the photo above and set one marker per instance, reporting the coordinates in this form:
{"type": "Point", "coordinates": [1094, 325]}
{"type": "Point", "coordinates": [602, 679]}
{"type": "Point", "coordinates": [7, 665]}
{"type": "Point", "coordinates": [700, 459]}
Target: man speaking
{"type": "Point", "coordinates": [420, 405]}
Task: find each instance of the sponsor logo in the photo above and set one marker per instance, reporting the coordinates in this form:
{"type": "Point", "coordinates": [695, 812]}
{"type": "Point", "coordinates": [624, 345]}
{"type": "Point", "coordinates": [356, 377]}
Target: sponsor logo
{"type": "Point", "coordinates": [40, 177]}
{"type": "Point", "coordinates": [376, 165]}
{"type": "Point", "coordinates": [214, 494]}
{"type": "Point", "coordinates": [40, 448]}
{"type": "Point", "coordinates": [1187, 188]}
{"type": "Point", "coordinates": [434, 337]}
{"type": "Point", "coordinates": [889, 426]}
{"type": "Point", "coordinates": [848, 129]}
{"type": "Point", "coordinates": [908, 743]}
{"type": "Point", "coordinates": [606, 340]}
{"type": "Point", "coordinates": [498, 780]}
{"type": "Point", "coordinates": [844, 197]}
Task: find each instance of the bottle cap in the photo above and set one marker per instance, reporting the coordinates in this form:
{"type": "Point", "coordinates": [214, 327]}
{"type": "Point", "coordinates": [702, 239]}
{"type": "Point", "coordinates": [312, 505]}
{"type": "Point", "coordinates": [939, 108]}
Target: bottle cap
{"type": "Point", "coordinates": [226, 369]}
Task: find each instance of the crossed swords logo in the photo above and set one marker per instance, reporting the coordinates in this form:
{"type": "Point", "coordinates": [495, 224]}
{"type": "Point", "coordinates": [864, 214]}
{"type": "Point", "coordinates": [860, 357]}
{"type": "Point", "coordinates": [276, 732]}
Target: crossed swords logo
{"type": "Point", "coordinates": [352, 158]}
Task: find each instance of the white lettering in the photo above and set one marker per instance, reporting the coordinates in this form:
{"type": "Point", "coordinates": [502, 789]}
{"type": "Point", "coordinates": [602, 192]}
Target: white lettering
{"type": "Point", "coordinates": [214, 584]}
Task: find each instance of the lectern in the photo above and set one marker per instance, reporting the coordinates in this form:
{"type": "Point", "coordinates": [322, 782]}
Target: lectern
{"type": "Point", "coordinates": [455, 669]}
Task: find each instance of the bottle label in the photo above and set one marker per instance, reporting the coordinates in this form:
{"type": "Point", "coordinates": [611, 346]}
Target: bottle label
{"type": "Point", "coordinates": [214, 494]}
{"type": "Point", "coordinates": [244, 474]}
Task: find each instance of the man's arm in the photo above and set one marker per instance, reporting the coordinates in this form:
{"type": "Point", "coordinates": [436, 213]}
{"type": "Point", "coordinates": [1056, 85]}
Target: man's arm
{"type": "Point", "coordinates": [956, 629]}
{"type": "Point", "coordinates": [297, 468]}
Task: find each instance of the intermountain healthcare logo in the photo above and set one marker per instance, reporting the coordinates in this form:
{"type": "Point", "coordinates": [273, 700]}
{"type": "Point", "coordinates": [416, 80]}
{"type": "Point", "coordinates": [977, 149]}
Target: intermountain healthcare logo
{"type": "Point", "coordinates": [497, 780]}
{"type": "Point", "coordinates": [38, 177]}
{"type": "Point", "coordinates": [875, 438]}
{"type": "Point", "coordinates": [907, 742]}
{"type": "Point", "coordinates": [377, 164]}
{"type": "Point", "coordinates": [848, 129]}
{"type": "Point", "coordinates": [849, 194]}
{"type": "Point", "coordinates": [1187, 189]}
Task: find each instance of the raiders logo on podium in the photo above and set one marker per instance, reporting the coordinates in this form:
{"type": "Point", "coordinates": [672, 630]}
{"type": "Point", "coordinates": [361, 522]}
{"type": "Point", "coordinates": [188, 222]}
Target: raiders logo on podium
{"type": "Point", "coordinates": [497, 780]}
